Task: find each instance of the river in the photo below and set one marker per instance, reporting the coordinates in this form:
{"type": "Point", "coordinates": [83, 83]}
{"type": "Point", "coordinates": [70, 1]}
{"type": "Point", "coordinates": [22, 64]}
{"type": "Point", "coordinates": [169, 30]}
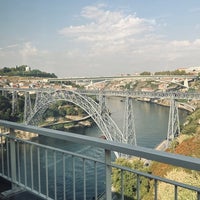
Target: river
{"type": "Point", "coordinates": [151, 121]}
{"type": "Point", "coordinates": [151, 124]}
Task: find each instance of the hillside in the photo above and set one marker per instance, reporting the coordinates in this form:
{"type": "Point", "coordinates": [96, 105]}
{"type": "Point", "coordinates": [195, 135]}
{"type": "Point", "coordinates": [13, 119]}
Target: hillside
{"type": "Point", "coordinates": [25, 71]}
{"type": "Point", "coordinates": [188, 143]}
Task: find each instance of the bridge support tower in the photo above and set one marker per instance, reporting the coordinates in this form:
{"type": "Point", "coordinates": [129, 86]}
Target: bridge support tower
{"type": "Point", "coordinates": [27, 106]}
{"type": "Point", "coordinates": [102, 104]}
{"type": "Point", "coordinates": [14, 101]}
{"type": "Point", "coordinates": [129, 122]}
{"type": "Point", "coordinates": [173, 124]}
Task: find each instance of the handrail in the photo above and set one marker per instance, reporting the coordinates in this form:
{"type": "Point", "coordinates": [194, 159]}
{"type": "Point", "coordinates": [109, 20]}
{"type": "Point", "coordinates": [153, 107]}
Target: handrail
{"type": "Point", "coordinates": [142, 152]}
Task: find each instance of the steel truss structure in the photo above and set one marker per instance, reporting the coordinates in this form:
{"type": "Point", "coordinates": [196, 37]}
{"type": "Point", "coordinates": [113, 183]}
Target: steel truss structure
{"type": "Point", "coordinates": [173, 123]}
{"type": "Point", "coordinates": [14, 101]}
{"type": "Point", "coordinates": [142, 94]}
{"type": "Point", "coordinates": [99, 111]}
{"type": "Point", "coordinates": [129, 122]}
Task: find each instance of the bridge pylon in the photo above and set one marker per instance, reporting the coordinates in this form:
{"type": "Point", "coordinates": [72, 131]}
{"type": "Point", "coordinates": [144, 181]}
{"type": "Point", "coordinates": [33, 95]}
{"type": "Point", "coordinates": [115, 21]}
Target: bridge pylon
{"type": "Point", "coordinates": [129, 122]}
{"type": "Point", "coordinates": [173, 123]}
{"type": "Point", "coordinates": [27, 106]}
{"type": "Point", "coordinates": [102, 104]}
{"type": "Point", "coordinates": [14, 101]}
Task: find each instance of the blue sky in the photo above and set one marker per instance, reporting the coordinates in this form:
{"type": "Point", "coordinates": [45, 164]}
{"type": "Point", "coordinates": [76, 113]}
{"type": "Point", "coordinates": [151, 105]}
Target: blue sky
{"type": "Point", "coordinates": [94, 38]}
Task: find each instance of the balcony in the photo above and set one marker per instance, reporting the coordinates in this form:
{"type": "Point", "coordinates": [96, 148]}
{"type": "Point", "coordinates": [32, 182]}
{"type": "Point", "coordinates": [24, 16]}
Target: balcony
{"type": "Point", "coordinates": [51, 172]}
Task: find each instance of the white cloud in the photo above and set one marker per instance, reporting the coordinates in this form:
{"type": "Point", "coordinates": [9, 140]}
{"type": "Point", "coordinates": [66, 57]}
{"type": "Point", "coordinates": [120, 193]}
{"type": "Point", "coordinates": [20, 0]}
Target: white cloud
{"type": "Point", "coordinates": [107, 43]}
{"type": "Point", "coordinates": [24, 53]}
{"type": "Point", "coordinates": [125, 42]}
{"type": "Point", "coordinates": [28, 50]}
{"type": "Point", "coordinates": [180, 44]}
{"type": "Point", "coordinates": [106, 26]}
{"type": "Point", "coordinates": [9, 46]}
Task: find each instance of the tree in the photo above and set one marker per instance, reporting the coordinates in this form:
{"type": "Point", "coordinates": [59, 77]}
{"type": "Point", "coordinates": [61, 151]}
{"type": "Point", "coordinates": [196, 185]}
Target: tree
{"type": "Point", "coordinates": [192, 123]}
{"type": "Point", "coordinates": [21, 71]}
{"type": "Point", "coordinates": [6, 70]}
{"type": "Point", "coordinates": [175, 72]}
{"type": "Point", "coordinates": [21, 68]}
{"type": "Point", "coordinates": [129, 178]}
{"type": "Point", "coordinates": [5, 108]}
{"type": "Point", "coordinates": [145, 73]}
{"type": "Point", "coordinates": [71, 111]}
{"type": "Point", "coordinates": [62, 112]}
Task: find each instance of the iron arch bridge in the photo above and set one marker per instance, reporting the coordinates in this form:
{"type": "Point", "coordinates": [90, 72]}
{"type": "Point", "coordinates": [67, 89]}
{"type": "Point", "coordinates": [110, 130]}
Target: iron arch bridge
{"type": "Point", "coordinates": [33, 115]}
{"type": "Point", "coordinates": [98, 111]}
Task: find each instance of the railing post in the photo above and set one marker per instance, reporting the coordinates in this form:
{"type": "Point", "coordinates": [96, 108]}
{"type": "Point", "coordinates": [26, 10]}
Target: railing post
{"type": "Point", "coordinates": [108, 173]}
{"type": "Point", "coordinates": [198, 195]}
{"type": "Point", "coordinates": [13, 158]}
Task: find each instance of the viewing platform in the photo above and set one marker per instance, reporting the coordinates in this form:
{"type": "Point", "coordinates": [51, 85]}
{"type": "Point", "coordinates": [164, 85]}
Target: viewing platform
{"type": "Point", "coordinates": [44, 170]}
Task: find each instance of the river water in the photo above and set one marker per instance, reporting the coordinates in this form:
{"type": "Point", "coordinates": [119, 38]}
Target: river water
{"type": "Point", "coordinates": [151, 124]}
{"type": "Point", "coordinates": [151, 121]}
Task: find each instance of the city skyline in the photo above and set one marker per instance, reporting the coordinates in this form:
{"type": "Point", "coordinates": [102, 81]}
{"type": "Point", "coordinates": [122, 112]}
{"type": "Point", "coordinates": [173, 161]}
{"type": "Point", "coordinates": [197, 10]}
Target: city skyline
{"type": "Point", "coordinates": [99, 38]}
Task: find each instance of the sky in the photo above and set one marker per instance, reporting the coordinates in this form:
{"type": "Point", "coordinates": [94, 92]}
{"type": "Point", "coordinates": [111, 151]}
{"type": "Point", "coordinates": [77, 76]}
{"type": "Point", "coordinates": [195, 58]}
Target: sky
{"type": "Point", "coordinates": [82, 38]}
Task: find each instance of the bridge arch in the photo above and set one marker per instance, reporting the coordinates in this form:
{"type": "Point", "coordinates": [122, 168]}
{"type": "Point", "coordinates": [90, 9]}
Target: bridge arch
{"type": "Point", "coordinates": [103, 120]}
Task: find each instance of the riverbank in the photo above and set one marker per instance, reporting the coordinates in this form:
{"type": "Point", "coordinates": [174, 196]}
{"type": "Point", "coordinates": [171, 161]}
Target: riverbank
{"type": "Point", "coordinates": [187, 143]}
{"type": "Point", "coordinates": [166, 103]}
{"type": "Point", "coordinates": [70, 123]}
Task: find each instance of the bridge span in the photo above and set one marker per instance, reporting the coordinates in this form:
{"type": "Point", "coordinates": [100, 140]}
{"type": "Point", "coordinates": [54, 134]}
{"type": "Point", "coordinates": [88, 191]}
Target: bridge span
{"type": "Point", "coordinates": [121, 77]}
{"type": "Point", "coordinates": [141, 94]}
{"type": "Point", "coordinates": [123, 93]}
{"type": "Point", "coordinates": [34, 110]}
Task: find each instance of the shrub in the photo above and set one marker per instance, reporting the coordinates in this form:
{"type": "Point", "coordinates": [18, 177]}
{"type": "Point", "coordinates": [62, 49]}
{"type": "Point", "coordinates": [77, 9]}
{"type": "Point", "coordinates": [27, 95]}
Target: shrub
{"type": "Point", "coordinates": [166, 191]}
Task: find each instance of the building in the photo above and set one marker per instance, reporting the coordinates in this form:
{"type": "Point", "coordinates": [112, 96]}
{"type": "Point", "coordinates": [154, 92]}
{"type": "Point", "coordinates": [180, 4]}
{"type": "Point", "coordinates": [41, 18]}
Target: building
{"type": "Point", "coordinates": [27, 69]}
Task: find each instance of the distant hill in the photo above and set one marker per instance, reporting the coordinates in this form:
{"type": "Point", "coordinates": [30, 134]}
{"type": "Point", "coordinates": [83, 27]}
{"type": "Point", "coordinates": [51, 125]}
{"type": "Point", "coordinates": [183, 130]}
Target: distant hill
{"type": "Point", "coordinates": [25, 71]}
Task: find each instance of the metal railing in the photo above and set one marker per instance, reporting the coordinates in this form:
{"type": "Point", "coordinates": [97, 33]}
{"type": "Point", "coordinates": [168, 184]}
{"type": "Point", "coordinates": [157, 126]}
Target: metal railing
{"type": "Point", "coordinates": [56, 173]}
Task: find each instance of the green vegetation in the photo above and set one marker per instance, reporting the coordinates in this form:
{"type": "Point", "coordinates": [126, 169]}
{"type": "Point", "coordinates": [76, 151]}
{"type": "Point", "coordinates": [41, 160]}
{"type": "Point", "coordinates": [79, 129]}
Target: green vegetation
{"type": "Point", "coordinates": [57, 110]}
{"type": "Point", "coordinates": [151, 84]}
{"type": "Point", "coordinates": [21, 71]}
{"type": "Point", "coordinates": [128, 86]}
{"type": "Point", "coordinates": [192, 123]}
{"type": "Point", "coordinates": [129, 179]}
{"type": "Point", "coordinates": [175, 72]}
{"type": "Point", "coordinates": [61, 109]}
{"type": "Point", "coordinates": [6, 110]}
{"type": "Point", "coordinates": [188, 144]}
{"type": "Point", "coordinates": [166, 191]}
{"type": "Point", "coordinates": [145, 73]}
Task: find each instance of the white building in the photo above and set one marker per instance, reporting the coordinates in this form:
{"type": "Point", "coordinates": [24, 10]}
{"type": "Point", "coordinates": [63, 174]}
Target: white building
{"type": "Point", "coordinates": [192, 70]}
{"type": "Point", "coordinates": [28, 69]}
